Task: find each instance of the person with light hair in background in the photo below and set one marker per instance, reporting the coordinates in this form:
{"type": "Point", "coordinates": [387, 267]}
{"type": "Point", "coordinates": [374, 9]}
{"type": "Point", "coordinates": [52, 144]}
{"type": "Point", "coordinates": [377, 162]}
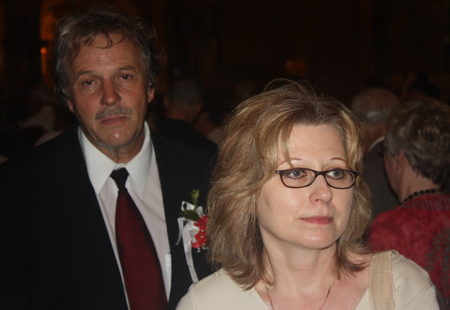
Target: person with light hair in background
{"type": "Point", "coordinates": [417, 162]}
{"type": "Point", "coordinates": [287, 210]}
{"type": "Point", "coordinates": [373, 106]}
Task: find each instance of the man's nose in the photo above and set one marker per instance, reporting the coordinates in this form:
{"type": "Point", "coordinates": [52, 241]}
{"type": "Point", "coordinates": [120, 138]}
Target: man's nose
{"type": "Point", "coordinates": [110, 94]}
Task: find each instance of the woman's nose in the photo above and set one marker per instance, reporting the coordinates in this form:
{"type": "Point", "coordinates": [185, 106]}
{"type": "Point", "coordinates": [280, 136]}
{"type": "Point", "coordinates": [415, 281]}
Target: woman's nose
{"type": "Point", "coordinates": [321, 191]}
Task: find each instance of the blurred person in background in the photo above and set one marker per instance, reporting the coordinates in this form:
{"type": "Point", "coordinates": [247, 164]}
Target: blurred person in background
{"type": "Point", "coordinates": [183, 105]}
{"type": "Point", "coordinates": [417, 162]}
{"type": "Point", "coordinates": [373, 106]}
{"type": "Point", "coordinates": [418, 85]}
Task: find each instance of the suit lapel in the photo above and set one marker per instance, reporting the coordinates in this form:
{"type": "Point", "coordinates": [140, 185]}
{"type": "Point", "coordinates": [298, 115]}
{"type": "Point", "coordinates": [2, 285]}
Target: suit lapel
{"type": "Point", "coordinates": [80, 220]}
{"type": "Point", "coordinates": [171, 188]}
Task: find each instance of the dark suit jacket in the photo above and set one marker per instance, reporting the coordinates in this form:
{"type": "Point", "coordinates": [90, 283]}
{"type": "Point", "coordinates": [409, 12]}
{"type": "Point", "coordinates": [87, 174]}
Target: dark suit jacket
{"type": "Point", "coordinates": [184, 132]}
{"type": "Point", "coordinates": [383, 197]}
{"type": "Point", "coordinates": [55, 252]}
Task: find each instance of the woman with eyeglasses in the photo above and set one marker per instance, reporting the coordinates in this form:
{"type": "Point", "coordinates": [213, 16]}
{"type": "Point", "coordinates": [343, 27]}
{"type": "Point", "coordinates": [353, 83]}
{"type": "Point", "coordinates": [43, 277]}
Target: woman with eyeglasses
{"type": "Point", "coordinates": [287, 210]}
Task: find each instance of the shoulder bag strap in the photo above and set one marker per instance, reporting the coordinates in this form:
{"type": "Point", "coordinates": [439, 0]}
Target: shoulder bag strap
{"type": "Point", "coordinates": [381, 282]}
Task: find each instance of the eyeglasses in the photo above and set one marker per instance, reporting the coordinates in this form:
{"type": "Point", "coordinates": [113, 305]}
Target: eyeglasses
{"type": "Point", "coordinates": [303, 177]}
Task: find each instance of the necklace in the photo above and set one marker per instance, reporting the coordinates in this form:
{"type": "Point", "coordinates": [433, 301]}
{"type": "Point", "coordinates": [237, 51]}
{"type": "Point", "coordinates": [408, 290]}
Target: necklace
{"type": "Point", "coordinates": [417, 194]}
{"type": "Point", "coordinates": [328, 293]}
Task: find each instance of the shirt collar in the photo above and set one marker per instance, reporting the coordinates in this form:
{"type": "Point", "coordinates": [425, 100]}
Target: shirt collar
{"type": "Point", "coordinates": [100, 166]}
{"type": "Point", "coordinates": [380, 139]}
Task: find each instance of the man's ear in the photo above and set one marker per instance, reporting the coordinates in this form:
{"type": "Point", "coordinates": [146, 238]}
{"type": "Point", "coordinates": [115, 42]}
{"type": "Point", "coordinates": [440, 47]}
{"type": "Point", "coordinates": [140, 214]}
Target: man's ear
{"type": "Point", "coordinates": [70, 105]}
{"type": "Point", "coordinates": [150, 94]}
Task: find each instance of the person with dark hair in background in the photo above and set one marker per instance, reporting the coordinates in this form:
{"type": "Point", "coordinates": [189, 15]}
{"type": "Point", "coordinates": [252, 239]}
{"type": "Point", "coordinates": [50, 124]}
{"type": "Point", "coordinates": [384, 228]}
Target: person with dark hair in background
{"type": "Point", "coordinates": [89, 220]}
{"type": "Point", "coordinates": [373, 106]}
{"type": "Point", "coordinates": [419, 85]}
{"type": "Point", "coordinates": [183, 105]}
{"type": "Point", "coordinates": [417, 162]}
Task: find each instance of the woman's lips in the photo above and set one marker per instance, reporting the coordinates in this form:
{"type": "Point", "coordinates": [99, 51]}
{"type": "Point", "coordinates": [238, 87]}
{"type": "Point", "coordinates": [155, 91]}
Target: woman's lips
{"type": "Point", "coordinates": [321, 220]}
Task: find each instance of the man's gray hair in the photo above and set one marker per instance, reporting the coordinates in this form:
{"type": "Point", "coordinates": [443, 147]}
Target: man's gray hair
{"type": "Point", "coordinates": [421, 130]}
{"type": "Point", "coordinates": [82, 29]}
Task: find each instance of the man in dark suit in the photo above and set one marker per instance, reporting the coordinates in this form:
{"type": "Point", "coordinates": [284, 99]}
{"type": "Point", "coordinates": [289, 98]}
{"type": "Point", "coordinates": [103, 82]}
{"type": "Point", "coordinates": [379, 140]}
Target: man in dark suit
{"type": "Point", "coordinates": [60, 235]}
{"type": "Point", "coordinates": [183, 105]}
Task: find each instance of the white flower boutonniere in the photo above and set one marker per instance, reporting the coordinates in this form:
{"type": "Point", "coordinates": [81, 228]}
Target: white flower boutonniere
{"type": "Point", "coordinates": [192, 228]}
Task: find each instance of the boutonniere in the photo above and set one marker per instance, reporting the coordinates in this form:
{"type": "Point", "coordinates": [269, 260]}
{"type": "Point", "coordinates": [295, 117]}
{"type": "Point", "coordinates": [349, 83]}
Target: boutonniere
{"type": "Point", "coordinates": [192, 229]}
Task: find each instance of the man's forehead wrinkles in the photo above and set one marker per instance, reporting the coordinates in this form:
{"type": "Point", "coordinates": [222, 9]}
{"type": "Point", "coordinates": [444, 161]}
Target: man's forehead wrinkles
{"type": "Point", "coordinates": [132, 68]}
{"type": "Point", "coordinates": [90, 60]}
{"type": "Point", "coordinates": [94, 43]}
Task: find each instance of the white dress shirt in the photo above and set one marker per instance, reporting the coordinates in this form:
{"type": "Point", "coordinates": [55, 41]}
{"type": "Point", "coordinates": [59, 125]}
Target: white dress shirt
{"type": "Point", "coordinates": [144, 187]}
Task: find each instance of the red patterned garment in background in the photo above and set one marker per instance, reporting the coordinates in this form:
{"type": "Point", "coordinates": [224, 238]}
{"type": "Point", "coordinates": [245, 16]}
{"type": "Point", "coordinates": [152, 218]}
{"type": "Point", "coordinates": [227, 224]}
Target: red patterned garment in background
{"type": "Point", "coordinates": [419, 230]}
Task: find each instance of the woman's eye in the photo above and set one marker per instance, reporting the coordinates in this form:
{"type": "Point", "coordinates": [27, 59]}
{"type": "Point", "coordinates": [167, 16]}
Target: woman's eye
{"type": "Point", "coordinates": [336, 174]}
{"type": "Point", "coordinates": [295, 173]}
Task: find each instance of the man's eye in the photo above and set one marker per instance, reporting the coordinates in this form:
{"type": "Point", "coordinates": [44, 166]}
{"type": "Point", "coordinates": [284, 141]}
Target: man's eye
{"type": "Point", "coordinates": [295, 173]}
{"type": "Point", "coordinates": [87, 83]}
{"type": "Point", "coordinates": [336, 174]}
{"type": "Point", "coordinates": [126, 76]}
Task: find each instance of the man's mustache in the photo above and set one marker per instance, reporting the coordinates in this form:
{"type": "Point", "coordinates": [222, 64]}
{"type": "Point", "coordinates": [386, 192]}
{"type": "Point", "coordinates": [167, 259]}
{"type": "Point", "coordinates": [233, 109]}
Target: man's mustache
{"type": "Point", "coordinates": [110, 112]}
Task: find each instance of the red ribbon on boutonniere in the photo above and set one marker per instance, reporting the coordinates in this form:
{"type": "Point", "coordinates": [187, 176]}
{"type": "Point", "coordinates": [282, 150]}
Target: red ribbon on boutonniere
{"type": "Point", "coordinates": [200, 240]}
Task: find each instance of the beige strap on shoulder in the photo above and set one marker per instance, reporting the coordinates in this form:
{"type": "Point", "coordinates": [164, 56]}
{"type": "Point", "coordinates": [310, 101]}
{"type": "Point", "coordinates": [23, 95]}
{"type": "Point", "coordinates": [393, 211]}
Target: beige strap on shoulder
{"type": "Point", "coordinates": [381, 283]}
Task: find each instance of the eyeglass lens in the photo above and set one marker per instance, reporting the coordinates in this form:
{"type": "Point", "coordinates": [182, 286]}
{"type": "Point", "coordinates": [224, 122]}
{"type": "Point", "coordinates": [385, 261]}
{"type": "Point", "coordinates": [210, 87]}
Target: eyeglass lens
{"type": "Point", "coordinates": [301, 177]}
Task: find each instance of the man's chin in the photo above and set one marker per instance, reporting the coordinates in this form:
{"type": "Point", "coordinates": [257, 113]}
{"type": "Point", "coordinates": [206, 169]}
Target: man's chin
{"type": "Point", "coordinates": [117, 144]}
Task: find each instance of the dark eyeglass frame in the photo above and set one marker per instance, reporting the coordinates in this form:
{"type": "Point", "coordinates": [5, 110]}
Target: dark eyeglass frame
{"type": "Point", "coordinates": [317, 173]}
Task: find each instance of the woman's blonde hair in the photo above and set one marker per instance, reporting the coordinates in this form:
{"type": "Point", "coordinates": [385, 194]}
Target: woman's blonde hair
{"type": "Point", "coordinates": [248, 158]}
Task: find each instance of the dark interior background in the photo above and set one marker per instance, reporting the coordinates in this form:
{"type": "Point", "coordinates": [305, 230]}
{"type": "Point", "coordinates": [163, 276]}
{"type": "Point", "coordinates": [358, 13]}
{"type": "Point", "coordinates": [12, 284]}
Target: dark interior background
{"type": "Point", "coordinates": [235, 46]}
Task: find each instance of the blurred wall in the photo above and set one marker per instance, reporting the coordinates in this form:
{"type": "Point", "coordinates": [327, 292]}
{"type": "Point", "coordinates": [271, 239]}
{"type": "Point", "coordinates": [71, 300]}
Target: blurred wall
{"type": "Point", "coordinates": [336, 45]}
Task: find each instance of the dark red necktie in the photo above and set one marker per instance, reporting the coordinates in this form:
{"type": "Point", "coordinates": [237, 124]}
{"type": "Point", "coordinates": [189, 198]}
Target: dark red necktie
{"type": "Point", "coordinates": [140, 264]}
